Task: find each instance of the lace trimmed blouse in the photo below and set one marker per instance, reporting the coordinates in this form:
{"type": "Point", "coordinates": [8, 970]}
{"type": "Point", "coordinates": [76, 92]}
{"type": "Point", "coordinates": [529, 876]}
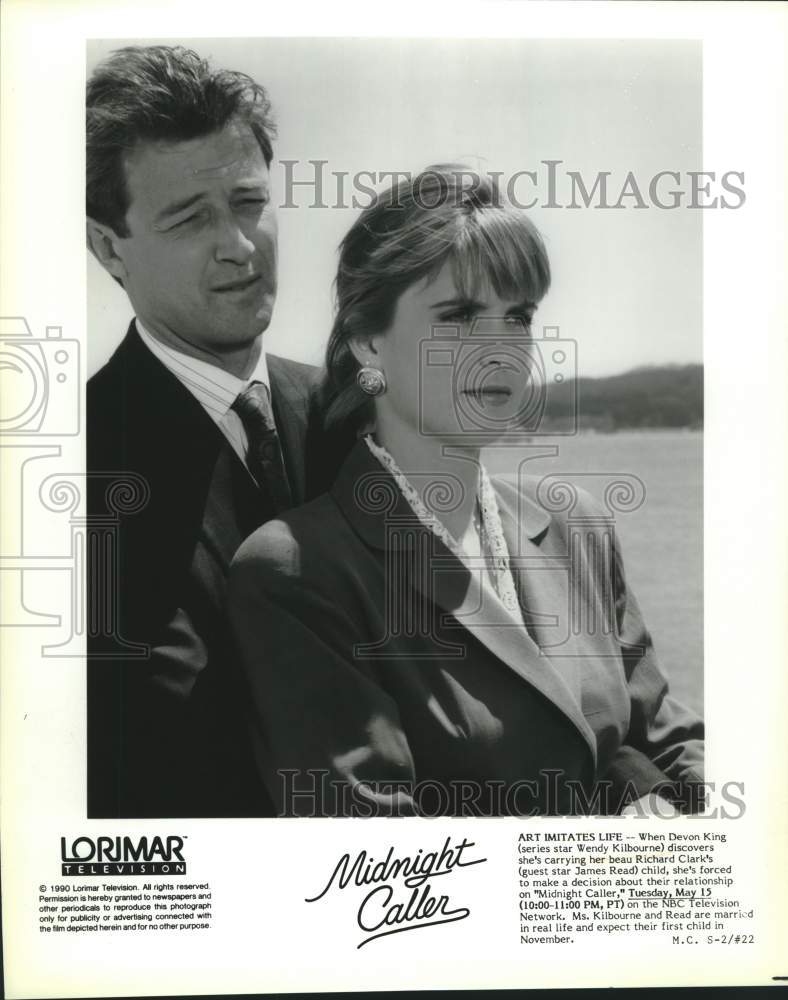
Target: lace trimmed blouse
{"type": "Point", "coordinates": [494, 549]}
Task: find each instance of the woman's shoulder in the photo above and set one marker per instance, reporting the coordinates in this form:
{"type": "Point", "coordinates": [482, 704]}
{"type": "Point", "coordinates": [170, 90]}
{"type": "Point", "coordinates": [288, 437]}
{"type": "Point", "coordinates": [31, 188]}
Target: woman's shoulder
{"type": "Point", "coordinates": [546, 498]}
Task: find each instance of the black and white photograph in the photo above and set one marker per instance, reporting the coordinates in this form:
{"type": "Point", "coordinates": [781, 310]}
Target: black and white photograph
{"type": "Point", "coordinates": [383, 423]}
{"type": "Point", "coordinates": [382, 583]}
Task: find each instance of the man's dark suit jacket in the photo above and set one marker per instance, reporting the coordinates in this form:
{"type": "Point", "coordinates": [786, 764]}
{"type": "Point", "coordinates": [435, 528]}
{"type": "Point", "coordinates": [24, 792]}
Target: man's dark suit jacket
{"type": "Point", "coordinates": [164, 731]}
{"type": "Point", "coordinates": [368, 661]}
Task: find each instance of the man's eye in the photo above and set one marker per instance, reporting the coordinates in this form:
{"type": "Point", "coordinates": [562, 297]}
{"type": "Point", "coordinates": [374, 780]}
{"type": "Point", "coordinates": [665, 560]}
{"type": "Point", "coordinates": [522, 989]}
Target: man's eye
{"type": "Point", "coordinates": [184, 222]}
{"type": "Point", "coordinates": [253, 203]}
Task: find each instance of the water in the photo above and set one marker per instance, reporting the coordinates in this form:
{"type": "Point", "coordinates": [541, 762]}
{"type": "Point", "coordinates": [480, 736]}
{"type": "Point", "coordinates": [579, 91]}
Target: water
{"type": "Point", "coordinates": [662, 540]}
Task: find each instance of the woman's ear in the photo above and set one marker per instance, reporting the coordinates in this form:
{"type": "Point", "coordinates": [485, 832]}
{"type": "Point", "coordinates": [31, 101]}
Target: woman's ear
{"type": "Point", "coordinates": [103, 243]}
{"type": "Point", "coordinates": [365, 350]}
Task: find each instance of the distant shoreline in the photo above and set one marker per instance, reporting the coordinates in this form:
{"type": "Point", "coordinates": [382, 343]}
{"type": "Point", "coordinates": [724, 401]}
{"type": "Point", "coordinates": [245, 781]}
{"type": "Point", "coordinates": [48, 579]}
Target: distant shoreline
{"type": "Point", "coordinates": [666, 397]}
{"type": "Point", "coordinates": [583, 431]}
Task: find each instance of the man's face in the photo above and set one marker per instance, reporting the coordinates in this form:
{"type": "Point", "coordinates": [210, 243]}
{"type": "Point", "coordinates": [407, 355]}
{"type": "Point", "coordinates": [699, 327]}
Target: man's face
{"type": "Point", "coordinates": [199, 264]}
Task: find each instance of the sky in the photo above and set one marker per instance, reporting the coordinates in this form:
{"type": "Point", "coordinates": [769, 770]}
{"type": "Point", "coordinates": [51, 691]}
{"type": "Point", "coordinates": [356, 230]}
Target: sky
{"type": "Point", "coordinates": [627, 282]}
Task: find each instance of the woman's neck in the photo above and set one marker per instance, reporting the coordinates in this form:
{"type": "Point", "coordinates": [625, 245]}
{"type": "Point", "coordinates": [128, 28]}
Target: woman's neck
{"type": "Point", "coordinates": [446, 477]}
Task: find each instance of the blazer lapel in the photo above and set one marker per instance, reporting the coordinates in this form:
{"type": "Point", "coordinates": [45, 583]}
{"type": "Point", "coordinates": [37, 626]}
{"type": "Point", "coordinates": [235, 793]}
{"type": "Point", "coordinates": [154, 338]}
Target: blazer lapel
{"type": "Point", "coordinates": [372, 501]}
{"type": "Point", "coordinates": [542, 576]}
{"type": "Point", "coordinates": [487, 619]}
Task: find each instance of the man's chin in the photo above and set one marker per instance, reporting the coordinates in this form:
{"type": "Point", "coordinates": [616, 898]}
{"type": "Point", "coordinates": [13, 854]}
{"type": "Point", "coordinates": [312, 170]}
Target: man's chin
{"type": "Point", "coordinates": [246, 325]}
{"type": "Point", "coordinates": [262, 314]}
{"type": "Point", "coordinates": [262, 319]}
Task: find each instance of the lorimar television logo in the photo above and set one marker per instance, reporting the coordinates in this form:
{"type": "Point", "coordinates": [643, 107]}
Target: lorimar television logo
{"type": "Point", "coordinates": [122, 856]}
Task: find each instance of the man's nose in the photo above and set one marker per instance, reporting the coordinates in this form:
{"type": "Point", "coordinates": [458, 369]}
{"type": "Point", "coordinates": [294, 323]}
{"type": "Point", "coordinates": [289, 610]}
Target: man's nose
{"type": "Point", "coordinates": [232, 243]}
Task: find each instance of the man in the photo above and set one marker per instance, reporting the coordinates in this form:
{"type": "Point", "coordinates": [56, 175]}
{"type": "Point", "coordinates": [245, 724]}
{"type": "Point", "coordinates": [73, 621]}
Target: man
{"type": "Point", "coordinates": [189, 409]}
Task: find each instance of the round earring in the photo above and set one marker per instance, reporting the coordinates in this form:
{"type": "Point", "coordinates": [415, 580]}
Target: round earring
{"type": "Point", "coordinates": [372, 381]}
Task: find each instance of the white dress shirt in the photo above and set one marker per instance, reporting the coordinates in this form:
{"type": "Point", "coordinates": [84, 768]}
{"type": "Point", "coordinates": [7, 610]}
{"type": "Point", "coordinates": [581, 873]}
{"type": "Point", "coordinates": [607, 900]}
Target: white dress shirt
{"type": "Point", "coordinates": [214, 388]}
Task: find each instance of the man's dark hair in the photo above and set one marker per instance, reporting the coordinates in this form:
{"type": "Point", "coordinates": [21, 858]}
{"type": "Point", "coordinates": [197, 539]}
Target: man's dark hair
{"type": "Point", "coordinates": [159, 93]}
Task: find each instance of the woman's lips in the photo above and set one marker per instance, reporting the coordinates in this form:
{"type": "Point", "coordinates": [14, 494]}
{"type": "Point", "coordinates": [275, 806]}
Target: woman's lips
{"type": "Point", "coordinates": [490, 393]}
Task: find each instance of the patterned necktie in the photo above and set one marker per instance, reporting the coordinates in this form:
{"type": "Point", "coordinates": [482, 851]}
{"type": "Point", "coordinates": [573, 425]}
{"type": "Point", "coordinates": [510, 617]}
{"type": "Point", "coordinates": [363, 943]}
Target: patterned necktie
{"type": "Point", "coordinates": [264, 456]}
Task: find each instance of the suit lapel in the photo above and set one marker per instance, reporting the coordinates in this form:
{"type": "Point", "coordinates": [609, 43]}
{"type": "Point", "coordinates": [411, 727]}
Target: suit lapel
{"type": "Point", "coordinates": [234, 506]}
{"type": "Point", "coordinates": [209, 490]}
{"type": "Point", "coordinates": [434, 572]}
{"type": "Point", "coordinates": [290, 406]}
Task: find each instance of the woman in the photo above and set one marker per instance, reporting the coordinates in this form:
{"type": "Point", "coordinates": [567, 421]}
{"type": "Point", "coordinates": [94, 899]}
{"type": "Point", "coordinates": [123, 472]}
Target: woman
{"type": "Point", "coordinates": [406, 636]}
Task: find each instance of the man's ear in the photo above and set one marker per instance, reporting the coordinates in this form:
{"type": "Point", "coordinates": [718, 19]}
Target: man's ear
{"type": "Point", "coordinates": [103, 244]}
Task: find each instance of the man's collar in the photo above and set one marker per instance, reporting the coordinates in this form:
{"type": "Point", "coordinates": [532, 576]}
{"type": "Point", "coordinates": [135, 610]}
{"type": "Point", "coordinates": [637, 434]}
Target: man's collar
{"type": "Point", "coordinates": [215, 388]}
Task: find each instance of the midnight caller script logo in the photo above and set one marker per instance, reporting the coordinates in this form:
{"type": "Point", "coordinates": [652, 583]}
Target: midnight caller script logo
{"type": "Point", "coordinates": [402, 894]}
{"type": "Point", "coordinates": [122, 856]}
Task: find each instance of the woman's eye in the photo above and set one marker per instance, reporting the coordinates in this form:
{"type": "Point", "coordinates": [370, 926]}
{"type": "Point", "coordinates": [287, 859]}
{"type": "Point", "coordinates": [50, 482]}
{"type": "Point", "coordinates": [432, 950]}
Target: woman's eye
{"type": "Point", "coordinates": [459, 316]}
{"type": "Point", "coordinates": [520, 320]}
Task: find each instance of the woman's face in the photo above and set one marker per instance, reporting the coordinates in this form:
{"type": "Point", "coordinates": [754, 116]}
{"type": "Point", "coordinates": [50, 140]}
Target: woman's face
{"type": "Point", "coordinates": [460, 370]}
